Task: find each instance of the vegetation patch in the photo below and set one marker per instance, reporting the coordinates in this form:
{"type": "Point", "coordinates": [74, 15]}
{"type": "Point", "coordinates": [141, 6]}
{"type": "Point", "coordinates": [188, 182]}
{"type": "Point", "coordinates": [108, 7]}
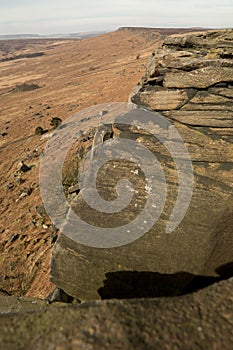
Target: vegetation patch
{"type": "Point", "coordinates": [55, 122]}
{"type": "Point", "coordinates": [25, 87]}
{"type": "Point", "coordinates": [40, 131]}
{"type": "Point", "coordinates": [26, 55]}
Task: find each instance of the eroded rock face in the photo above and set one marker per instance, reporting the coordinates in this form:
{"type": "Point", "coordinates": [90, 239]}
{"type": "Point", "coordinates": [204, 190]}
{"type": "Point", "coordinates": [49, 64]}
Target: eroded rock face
{"type": "Point", "coordinates": [199, 321]}
{"type": "Point", "coordinates": [190, 82]}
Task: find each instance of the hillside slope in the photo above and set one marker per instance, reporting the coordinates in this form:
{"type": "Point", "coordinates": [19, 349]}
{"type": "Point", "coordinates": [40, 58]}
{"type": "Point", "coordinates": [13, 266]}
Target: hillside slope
{"type": "Point", "coordinates": [69, 76]}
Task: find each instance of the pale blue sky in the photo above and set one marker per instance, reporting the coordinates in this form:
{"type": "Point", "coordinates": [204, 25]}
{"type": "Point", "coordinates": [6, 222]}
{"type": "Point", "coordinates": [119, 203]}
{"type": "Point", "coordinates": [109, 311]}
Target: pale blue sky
{"type": "Point", "coordinates": [64, 16]}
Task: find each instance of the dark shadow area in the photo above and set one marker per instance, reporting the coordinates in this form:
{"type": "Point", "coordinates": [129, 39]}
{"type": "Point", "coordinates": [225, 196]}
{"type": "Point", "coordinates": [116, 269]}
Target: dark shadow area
{"type": "Point", "coordinates": [145, 284]}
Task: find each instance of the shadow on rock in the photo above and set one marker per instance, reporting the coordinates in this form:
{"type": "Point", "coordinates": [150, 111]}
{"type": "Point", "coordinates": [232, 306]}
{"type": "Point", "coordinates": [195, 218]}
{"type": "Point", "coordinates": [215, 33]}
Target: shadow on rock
{"type": "Point", "coordinates": [145, 284]}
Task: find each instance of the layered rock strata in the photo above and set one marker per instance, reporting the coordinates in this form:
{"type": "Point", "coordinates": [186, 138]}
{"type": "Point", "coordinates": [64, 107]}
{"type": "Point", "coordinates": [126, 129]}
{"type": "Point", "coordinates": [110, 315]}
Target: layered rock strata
{"type": "Point", "coordinates": [189, 81]}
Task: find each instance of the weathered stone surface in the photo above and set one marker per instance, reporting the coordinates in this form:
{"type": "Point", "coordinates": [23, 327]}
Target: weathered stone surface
{"type": "Point", "coordinates": [208, 98]}
{"type": "Point", "coordinates": [199, 321]}
{"type": "Point", "coordinates": [163, 100]}
{"type": "Point", "coordinates": [12, 305]}
{"type": "Point", "coordinates": [199, 78]}
{"type": "Point", "coordinates": [80, 270]}
{"type": "Point", "coordinates": [178, 285]}
{"type": "Point", "coordinates": [202, 114]}
{"type": "Point", "coordinates": [74, 188]}
{"type": "Point", "coordinates": [192, 51]}
{"type": "Point", "coordinates": [183, 60]}
{"type": "Point", "coordinates": [207, 107]}
{"type": "Point", "coordinates": [222, 92]}
{"type": "Point", "coordinates": [218, 41]}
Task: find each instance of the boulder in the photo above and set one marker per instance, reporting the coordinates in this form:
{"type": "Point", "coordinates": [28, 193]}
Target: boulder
{"type": "Point", "coordinates": [202, 320]}
{"type": "Point", "coordinates": [189, 82]}
{"type": "Point", "coordinates": [199, 78]}
{"type": "Point", "coordinates": [163, 99]}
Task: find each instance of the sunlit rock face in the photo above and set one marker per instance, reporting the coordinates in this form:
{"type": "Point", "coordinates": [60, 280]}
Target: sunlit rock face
{"type": "Point", "coordinates": [188, 81]}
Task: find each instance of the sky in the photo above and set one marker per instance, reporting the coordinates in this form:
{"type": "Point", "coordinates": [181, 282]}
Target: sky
{"type": "Point", "coordinates": [72, 16]}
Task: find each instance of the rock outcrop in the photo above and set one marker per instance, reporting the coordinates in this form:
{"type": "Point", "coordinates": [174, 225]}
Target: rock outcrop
{"type": "Point", "coordinates": [178, 286]}
{"type": "Point", "coordinates": [189, 81]}
{"type": "Point", "coordinates": [199, 321]}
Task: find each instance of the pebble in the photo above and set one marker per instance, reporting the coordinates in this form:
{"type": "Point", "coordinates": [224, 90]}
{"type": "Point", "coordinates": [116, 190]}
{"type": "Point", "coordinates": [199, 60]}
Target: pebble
{"type": "Point", "coordinates": [13, 238]}
{"type": "Point", "coordinates": [9, 186]}
{"type": "Point", "coordinates": [23, 194]}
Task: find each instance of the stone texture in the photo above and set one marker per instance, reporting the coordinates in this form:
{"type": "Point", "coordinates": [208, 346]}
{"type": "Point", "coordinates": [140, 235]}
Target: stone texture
{"type": "Point", "coordinates": [201, 63]}
{"type": "Point", "coordinates": [163, 100]}
{"type": "Point", "coordinates": [199, 78]}
{"type": "Point", "coordinates": [199, 321]}
{"type": "Point", "coordinates": [215, 41]}
{"type": "Point", "coordinates": [12, 305]}
{"type": "Point", "coordinates": [207, 98]}
{"type": "Point", "coordinates": [80, 270]}
{"type": "Point", "coordinates": [222, 92]}
{"type": "Point", "coordinates": [202, 114]}
{"type": "Point", "coordinates": [199, 116]}
{"type": "Point", "coordinates": [179, 286]}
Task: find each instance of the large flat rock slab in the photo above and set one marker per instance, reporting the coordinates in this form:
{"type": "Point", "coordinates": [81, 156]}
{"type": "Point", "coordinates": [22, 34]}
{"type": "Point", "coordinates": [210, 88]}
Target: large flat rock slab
{"type": "Point", "coordinates": [203, 116]}
{"type": "Point", "coordinates": [164, 100]}
{"type": "Point", "coordinates": [199, 321]}
{"type": "Point", "coordinates": [199, 78]}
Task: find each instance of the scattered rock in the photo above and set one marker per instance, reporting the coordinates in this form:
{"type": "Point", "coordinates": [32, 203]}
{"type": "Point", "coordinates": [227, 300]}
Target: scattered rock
{"type": "Point", "coordinates": [58, 295]}
{"type": "Point", "coordinates": [26, 192]}
{"type": "Point", "coordinates": [74, 189]}
{"type": "Point", "coordinates": [23, 194]}
{"type": "Point", "coordinates": [10, 186]}
{"type": "Point", "coordinates": [46, 136]}
{"type": "Point", "coordinates": [13, 238]}
{"type": "Point", "coordinates": [53, 237]}
{"type": "Point", "coordinates": [24, 168]}
{"type": "Point", "coordinates": [102, 113]}
{"type": "Point", "coordinates": [41, 212]}
{"type": "Point", "coordinates": [20, 181]}
{"type": "Point", "coordinates": [39, 222]}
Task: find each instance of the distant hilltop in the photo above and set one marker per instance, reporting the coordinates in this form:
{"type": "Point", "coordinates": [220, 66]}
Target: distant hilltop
{"type": "Point", "coordinates": [81, 35]}
{"type": "Point", "coordinates": [165, 31]}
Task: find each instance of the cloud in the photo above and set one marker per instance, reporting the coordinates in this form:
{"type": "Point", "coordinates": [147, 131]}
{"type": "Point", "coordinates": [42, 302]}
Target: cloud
{"type": "Point", "coordinates": [65, 16]}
